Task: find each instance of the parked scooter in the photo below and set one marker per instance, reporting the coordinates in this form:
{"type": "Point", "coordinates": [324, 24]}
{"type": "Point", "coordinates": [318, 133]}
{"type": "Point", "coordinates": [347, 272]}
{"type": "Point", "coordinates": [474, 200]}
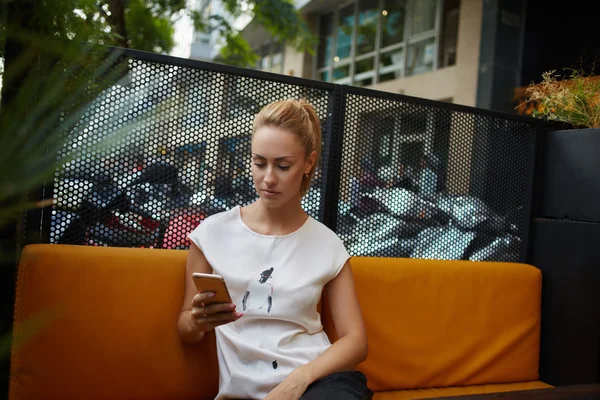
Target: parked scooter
{"type": "Point", "coordinates": [506, 244]}
{"type": "Point", "coordinates": [399, 223]}
{"type": "Point", "coordinates": [473, 231]}
{"type": "Point", "coordinates": [387, 222]}
{"type": "Point", "coordinates": [133, 215]}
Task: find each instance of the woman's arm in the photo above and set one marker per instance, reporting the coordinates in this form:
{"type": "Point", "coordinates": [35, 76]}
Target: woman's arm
{"type": "Point", "coordinates": [346, 353]}
{"type": "Point", "coordinates": [189, 331]}
{"type": "Point", "coordinates": [195, 319]}
{"type": "Point", "coordinates": [351, 348]}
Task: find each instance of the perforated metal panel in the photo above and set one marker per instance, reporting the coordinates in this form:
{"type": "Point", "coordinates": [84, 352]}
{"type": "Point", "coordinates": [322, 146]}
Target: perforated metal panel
{"type": "Point", "coordinates": [425, 181]}
{"type": "Point", "coordinates": [405, 177]}
{"type": "Point", "coordinates": [164, 148]}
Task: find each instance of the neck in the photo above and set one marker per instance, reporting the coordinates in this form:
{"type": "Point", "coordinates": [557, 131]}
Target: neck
{"type": "Point", "coordinates": [282, 217]}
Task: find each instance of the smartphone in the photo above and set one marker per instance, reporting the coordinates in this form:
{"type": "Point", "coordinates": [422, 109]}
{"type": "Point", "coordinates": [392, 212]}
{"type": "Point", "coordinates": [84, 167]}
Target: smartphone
{"type": "Point", "coordinates": [212, 283]}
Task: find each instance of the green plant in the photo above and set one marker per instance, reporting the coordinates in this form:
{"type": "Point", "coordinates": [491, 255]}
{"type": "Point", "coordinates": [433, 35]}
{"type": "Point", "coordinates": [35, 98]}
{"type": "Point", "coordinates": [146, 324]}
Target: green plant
{"type": "Point", "coordinates": [45, 91]}
{"type": "Point", "coordinates": [573, 98]}
{"type": "Point", "coordinates": [47, 84]}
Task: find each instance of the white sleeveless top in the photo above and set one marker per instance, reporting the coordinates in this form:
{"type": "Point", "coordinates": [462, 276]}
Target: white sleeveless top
{"type": "Point", "coordinates": [276, 281]}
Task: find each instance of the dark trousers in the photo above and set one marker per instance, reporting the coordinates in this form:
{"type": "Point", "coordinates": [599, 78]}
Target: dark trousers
{"type": "Point", "coordinates": [347, 385]}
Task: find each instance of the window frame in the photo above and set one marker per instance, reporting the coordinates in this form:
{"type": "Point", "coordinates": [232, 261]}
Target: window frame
{"type": "Point", "coordinates": [271, 44]}
{"type": "Point", "coordinates": [378, 51]}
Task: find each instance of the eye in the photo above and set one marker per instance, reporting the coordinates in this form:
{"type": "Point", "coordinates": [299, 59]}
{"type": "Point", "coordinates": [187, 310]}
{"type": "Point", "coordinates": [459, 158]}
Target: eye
{"type": "Point", "coordinates": [259, 165]}
{"type": "Point", "coordinates": [284, 167]}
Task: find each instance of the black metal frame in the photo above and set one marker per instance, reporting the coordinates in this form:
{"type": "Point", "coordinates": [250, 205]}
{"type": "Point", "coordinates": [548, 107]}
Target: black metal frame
{"type": "Point", "coordinates": [435, 103]}
{"type": "Point", "coordinates": [534, 186]}
{"type": "Point", "coordinates": [335, 162]}
{"type": "Point", "coordinates": [222, 68]}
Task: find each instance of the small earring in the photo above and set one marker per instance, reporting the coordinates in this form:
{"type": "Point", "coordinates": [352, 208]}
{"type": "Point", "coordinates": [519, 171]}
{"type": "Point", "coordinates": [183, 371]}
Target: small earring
{"type": "Point", "coordinates": [306, 175]}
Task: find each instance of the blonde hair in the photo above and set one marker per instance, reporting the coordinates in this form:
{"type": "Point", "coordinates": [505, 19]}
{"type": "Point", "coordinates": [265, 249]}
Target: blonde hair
{"type": "Point", "coordinates": [300, 118]}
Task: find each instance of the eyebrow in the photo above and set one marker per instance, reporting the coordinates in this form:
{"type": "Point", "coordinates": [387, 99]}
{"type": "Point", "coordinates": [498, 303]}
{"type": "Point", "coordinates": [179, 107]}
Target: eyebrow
{"type": "Point", "coordinates": [276, 158]}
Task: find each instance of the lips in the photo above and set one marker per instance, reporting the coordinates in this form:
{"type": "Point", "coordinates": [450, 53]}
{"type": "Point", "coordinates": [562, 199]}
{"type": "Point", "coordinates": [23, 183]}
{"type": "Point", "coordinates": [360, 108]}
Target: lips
{"type": "Point", "coordinates": [269, 193]}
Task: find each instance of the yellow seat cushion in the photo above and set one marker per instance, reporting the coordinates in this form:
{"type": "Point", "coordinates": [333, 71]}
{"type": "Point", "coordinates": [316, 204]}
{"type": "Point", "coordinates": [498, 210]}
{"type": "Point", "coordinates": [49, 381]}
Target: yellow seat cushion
{"type": "Point", "coordinates": [458, 391]}
{"type": "Point", "coordinates": [113, 332]}
{"type": "Point", "coordinates": [433, 323]}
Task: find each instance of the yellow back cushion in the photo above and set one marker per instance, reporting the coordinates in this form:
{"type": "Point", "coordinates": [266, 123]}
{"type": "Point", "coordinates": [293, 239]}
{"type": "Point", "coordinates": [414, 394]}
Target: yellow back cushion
{"type": "Point", "coordinates": [109, 327]}
{"type": "Point", "coordinates": [447, 323]}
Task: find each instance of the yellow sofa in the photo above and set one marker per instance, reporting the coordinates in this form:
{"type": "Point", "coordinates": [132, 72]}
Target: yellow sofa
{"type": "Point", "coordinates": [102, 325]}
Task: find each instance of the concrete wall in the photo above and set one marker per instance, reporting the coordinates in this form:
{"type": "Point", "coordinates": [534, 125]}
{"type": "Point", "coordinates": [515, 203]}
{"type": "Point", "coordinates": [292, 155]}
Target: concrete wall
{"type": "Point", "coordinates": [467, 54]}
{"type": "Point", "coordinates": [298, 63]}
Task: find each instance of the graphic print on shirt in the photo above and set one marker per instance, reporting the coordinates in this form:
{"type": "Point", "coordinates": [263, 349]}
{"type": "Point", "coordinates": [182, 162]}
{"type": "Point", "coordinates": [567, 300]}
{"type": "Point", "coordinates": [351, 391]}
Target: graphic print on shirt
{"type": "Point", "coordinates": [259, 293]}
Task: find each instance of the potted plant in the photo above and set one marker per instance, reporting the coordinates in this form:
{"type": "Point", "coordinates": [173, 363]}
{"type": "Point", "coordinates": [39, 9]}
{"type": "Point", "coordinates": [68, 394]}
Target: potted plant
{"type": "Point", "coordinates": [573, 99]}
{"type": "Point", "coordinates": [570, 147]}
{"type": "Point", "coordinates": [567, 226]}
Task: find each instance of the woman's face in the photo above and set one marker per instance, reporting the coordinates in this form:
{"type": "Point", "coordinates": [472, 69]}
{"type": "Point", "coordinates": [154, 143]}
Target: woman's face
{"type": "Point", "coordinates": [278, 165]}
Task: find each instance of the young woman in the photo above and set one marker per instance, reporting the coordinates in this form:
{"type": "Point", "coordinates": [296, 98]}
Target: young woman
{"type": "Point", "coordinates": [276, 261]}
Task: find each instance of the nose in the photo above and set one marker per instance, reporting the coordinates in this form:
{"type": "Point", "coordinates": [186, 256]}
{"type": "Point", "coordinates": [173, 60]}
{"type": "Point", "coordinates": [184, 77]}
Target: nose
{"type": "Point", "coordinates": [270, 178]}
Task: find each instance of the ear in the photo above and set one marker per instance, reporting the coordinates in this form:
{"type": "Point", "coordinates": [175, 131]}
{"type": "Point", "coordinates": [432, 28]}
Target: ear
{"type": "Point", "coordinates": [310, 161]}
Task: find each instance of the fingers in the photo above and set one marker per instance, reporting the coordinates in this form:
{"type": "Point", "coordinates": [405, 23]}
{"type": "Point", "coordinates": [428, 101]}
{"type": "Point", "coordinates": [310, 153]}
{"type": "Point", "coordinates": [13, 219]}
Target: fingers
{"type": "Point", "coordinates": [211, 320]}
{"type": "Point", "coordinates": [223, 317]}
{"type": "Point", "coordinates": [199, 299]}
{"type": "Point", "coordinates": [233, 317]}
{"type": "Point", "coordinates": [208, 311]}
{"type": "Point", "coordinates": [209, 316]}
{"type": "Point", "coordinates": [218, 307]}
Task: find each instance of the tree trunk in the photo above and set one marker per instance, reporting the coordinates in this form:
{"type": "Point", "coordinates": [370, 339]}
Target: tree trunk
{"type": "Point", "coordinates": [117, 21]}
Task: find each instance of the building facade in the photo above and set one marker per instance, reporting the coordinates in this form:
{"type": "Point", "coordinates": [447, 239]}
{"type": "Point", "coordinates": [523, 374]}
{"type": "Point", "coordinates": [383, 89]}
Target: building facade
{"type": "Point", "coordinates": [424, 48]}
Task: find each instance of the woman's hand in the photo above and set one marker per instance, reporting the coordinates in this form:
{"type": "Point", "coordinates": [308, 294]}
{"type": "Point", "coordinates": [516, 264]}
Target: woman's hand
{"type": "Point", "coordinates": [292, 387]}
{"type": "Point", "coordinates": [207, 317]}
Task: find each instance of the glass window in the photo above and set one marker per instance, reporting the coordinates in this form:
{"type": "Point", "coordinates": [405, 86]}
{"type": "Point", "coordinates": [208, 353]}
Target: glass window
{"type": "Point", "coordinates": [343, 43]}
{"type": "Point", "coordinates": [277, 62]}
{"type": "Point", "coordinates": [277, 58]}
{"type": "Point", "coordinates": [324, 76]}
{"type": "Point", "coordinates": [364, 79]}
{"type": "Point", "coordinates": [271, 57]}
{"type": "Point", "coordinates": [265, 57]}
{"type": "Point", "coordinates": [364, 72]}
{"type": "Point", "coordinates": [391, 65]}
{"type": "Point", "coordinates": [449, 33]}
{"type": "Point", "coordinates": [341, 72]}
{"type": "Point", "coordinates": [423, 16]}
{"type": "Point", "coordinates": [392, 22]}
{"type": "Point", "coordinates": [326, 41]}
{"type": "Point", "coordinates": [364, 65]}
{"type": "Point", "coordinates": [367, 41]}
{"type": "Point", "coordinates": [259, 61]}
{"type": "Point", "coordinates": [420, 57]}
{"type": "Point", "coordinates": [366, 33]}
{"type": "Point", "coordinates": [265, 62]}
